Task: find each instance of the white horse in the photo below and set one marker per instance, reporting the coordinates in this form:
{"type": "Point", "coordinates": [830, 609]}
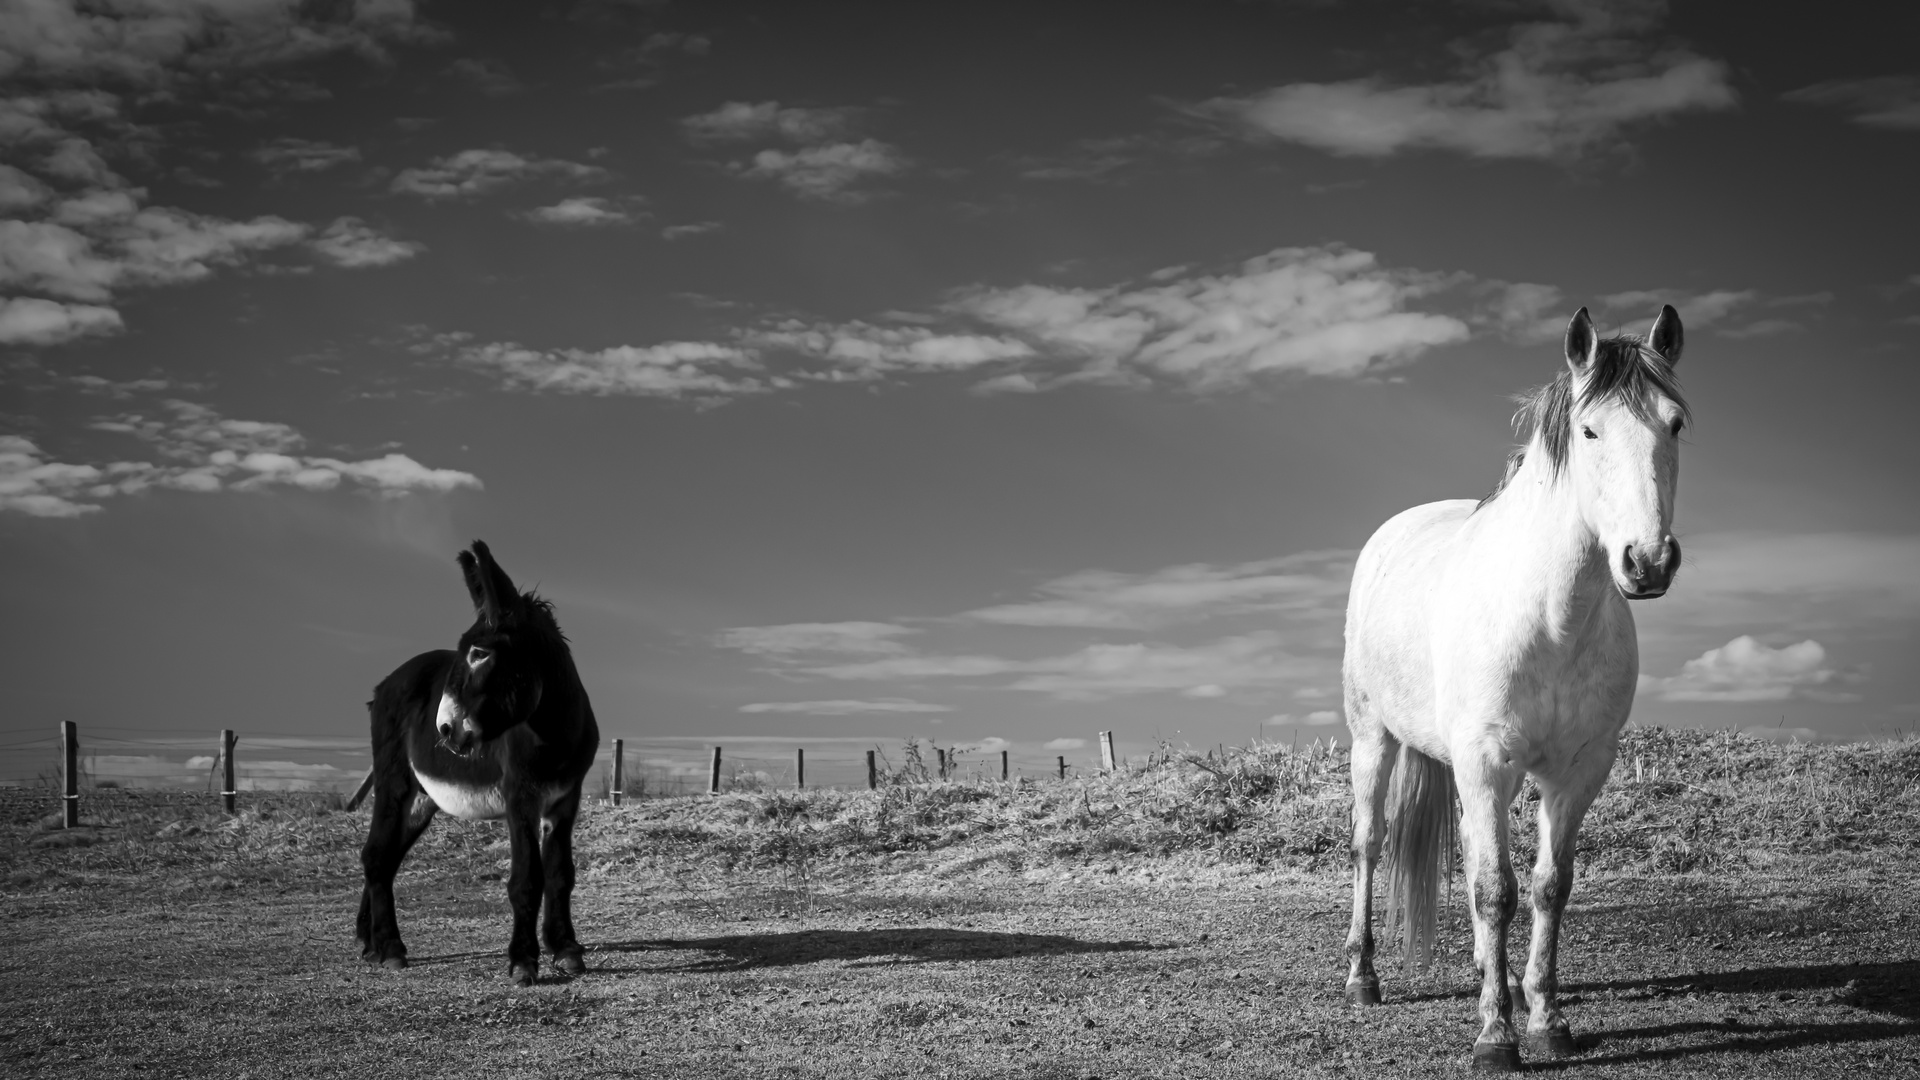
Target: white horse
{"type": "Point", "coordinates": [1490, 641]}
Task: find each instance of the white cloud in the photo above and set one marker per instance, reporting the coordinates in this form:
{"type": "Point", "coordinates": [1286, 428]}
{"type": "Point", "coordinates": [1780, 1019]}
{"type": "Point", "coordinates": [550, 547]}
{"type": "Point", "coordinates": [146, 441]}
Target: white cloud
{"type": "Point", "coordinates": [1103, 599]}
{"type": "Point", "coordinates": [828, 171]}
{"type": "Point", "coordinates": [866, 350]}
{"type": "Point", "coordinates": [844, 707]}
{"type": "Point", "coordinates": [1745, 670]}
{"type": "Point", "coordinates": [475, 172]}
{"type": "Point", "coordinates": [21, 190]}
{"type": "Point", "coordinates": [1205, 690]}
{"type": "Point", "coordinates": [1890, 102]}
{"type": "Point", "coordinates": [290, 155]}
{"type": "Point", "coordinates": [1699, 309]}
{"type": "Point", "coordinates": [691, 228]}
{"type": "Point", "coordinates": [1558, 89]}
{"type": "Point", "coordinates": [1066, 744]}
{"type": "Point", "coordinates": [354, 245]}
{"type": "Point", "coordinates": [206, 453]}
{"type": "Point", "coordinates": [740, 120]}
{"type": "Point", "coordinates": [31, 321]}
{"type": "Point", "coordinates": [670, 370]}
{"type": "Point", "coordinates": [788, 639]}
{"type": "Point", "coordinates": [587, 211]}
{"type": "Point", "coordinates": [1328, 311]}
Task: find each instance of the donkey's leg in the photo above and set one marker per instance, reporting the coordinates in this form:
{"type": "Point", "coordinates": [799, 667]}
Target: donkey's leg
{"type": "Point", "coordinates": [1563, 804]}
{"type": "Point", "coordinates": [1487, 788]}
{"type": "Point", "coordinates": [524, 886]}
{"type": "Point", "coordinates": [1373, 754]}
{"type": "Point", "coordinates": [556, 855]}
{"type": "Point", "coordinates": [400, 815]}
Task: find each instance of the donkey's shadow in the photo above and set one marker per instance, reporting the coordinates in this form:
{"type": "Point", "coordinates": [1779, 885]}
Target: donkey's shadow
{"type": "Point", "coordinates": [858, 948]}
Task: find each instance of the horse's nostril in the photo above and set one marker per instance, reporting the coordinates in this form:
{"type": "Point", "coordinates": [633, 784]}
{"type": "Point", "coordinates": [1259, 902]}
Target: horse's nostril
{"type": "Point", "coordinates": [1628, 564]}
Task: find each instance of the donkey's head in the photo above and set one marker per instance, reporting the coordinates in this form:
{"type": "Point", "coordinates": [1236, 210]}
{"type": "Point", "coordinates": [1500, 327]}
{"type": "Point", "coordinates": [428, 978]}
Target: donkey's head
{"type": "Point", "coordinates": [505, 658]}
{"type": "Point", "coordinates": [1619, 442]}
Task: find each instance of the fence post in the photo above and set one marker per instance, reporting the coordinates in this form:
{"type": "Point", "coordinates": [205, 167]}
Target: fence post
{"type": "Point", "coordinates": [713, 784]}
{"type": "Point", "coordinates": [873, 774]}
{"type": "Point", "coordinates": [70, 754]}
{"type": "Point", "coordinates": [799, 767]}
{"type": "Point", "coordinates": [943, 762]}
{"type": "Point", "coordinates": [1063, 766]}
{"type": "Point", "coordinates": [1106, 750]}
{"type": "Point", "coordinates": [1003, 764]}
{"type": "Point", "coordinates": [619, 771]}
{"type": "Point", "coordinates": [227, 790]}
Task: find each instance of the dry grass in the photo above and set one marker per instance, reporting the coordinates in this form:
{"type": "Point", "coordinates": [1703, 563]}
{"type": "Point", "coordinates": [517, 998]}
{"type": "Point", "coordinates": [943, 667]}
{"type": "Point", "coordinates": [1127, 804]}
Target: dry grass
{"type": "Point", "coordinates": [1744, 908]}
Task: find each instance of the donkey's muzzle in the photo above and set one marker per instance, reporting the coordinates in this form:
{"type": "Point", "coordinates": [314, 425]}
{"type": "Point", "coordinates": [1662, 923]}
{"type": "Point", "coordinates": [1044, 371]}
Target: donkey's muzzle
{"type": "Point", "coordinates": [1647, 570]}
{"type": "Point", "coordinates": [456, 728]}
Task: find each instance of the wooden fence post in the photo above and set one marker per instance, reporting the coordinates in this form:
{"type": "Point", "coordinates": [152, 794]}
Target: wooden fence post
{"type": "Point", "coordinates": [873, 773]}
{"type": "Point", "coordinates": [619, 792]}
{"type": "Point", "coordinates": [799, 767]}
{"type": "Point", "coordinates": [70, 755]}
{"type": "Point", "coordinates": [1063, 766]}
{"type": "Point", "coordinates": [1106, 750]}
{"type": "Point", "coordinates": [713, 784]}
{"type": "Point", "coordinates": [227, 790]}
{"type": "Point", "coordinates": [943, 762]}
{"type": "Point", "coordinates": [1003, 764]}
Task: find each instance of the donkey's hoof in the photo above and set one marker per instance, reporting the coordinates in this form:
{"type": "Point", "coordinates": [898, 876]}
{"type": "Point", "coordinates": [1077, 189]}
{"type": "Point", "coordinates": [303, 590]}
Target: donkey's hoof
{"type": "Point", "coordinates": [394, 963]}
{"type": "Point", "coordinates": [1495, 1057]}
{"type": "Point", "coordinates": [1557, 1044]}
{"type": "Point", "coordinates": [521, 974]}
{"type": "Point", "coordinates": [1363, 991]}
{"type": "Point", "coordinates": [570, 963]}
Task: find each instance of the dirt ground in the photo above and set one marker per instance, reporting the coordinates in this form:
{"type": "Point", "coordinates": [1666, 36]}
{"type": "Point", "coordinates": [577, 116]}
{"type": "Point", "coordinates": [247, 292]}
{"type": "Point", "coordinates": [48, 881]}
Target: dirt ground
{"type": "Point", "coordinates": [918, 964]}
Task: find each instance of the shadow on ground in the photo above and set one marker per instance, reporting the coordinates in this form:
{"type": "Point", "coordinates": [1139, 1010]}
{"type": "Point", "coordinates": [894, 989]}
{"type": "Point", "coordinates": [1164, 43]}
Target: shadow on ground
{"type": "Point", "coordinates": [862, 948]}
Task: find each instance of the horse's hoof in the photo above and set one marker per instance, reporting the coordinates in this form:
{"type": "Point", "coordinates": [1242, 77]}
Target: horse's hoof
{"type": "Point", "coordinates": [1557, 1044]}
{"type": "Point", "coordinates": [1495, 1057]}
{"type": "Point", "coordinates": [1363, 991]}
{"type": "Point", "coordinates": [570, 963]}
{"type": "Point", "coordinates": [520, 974]}
{"type": "Point", "coordinates": [394, 963]}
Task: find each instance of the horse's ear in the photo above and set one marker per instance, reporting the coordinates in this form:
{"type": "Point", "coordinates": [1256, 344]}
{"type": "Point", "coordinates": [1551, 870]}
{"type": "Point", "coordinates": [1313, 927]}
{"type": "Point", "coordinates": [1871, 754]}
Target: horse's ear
{"type": "Point", "coordinates": [1583, 345]}
{"type": "Point", "coordinates": [1667, 336]}
{"type": "Point", "coordinates": [489, 586]}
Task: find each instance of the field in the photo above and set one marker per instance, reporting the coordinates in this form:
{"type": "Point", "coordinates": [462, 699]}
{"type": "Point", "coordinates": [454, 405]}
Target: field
{"type": "Point", "coordinates": [1743, 909]}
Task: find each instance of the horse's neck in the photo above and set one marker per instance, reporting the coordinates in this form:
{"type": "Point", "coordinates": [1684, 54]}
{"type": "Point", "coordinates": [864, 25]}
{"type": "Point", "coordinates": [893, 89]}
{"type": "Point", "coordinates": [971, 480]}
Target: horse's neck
{"type": "Point", "coordinates": [1548, 551]}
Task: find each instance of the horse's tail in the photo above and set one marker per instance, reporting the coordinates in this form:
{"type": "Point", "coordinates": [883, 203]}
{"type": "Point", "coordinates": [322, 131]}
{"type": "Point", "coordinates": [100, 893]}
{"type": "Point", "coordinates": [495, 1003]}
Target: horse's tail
{"type": "Point", "coordinates": [1420, 830]}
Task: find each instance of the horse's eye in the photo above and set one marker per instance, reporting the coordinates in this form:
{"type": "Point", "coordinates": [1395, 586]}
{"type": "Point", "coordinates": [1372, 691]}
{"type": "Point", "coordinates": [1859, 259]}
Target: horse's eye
{"type": "Point", "coordinates": [1588, 432]}
{"type": "Point", "coordinates": [1677, 425]}
{"type": "Point", "coordinates": [477, 655]}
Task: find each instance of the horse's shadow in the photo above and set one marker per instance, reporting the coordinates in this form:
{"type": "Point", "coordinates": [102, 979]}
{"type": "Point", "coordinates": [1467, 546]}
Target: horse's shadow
{"type": "Point", "coordinates": [1890, 989]}
{"type": "Point", "coordinates": [858, 948]}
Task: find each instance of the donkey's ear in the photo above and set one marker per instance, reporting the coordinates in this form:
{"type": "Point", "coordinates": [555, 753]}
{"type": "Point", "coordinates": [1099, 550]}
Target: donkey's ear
{"type": "Point", "coordinates": [1667, 336]}
{"type": "Point", "coordinates": [1583, 345]}
{"type": "Point", "coordinates": [489, 586]}
{"type": "Point", "coordinates": [477, 587]}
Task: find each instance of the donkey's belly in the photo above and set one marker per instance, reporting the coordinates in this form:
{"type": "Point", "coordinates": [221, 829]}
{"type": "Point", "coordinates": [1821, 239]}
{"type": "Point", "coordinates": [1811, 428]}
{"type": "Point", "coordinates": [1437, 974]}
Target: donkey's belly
{"type": "Point", "coordinates": [463, 801]}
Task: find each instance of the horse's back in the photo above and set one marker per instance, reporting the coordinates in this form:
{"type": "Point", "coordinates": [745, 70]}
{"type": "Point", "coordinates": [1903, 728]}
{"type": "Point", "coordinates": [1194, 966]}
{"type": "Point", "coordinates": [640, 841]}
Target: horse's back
{"type": "Point", "coordinates": [1388, 666]}
{"type": "Point", "coordinates": [406, 698]}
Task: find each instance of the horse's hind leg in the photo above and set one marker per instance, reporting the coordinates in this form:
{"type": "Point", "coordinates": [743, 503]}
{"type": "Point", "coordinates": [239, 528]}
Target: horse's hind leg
{"type": "Point", "coordinates": [556, 856]}
{"type": "Point", "coordinates": [400, 815]}
{"type": "Point", "coordinates": [1373, 754]}
{"type": "Point", "coordinates": [1563, 805]}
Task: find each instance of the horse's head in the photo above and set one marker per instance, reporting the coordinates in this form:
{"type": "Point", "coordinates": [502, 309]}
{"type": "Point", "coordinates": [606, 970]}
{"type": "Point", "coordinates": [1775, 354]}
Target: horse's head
{"type": "Point", "coordinates": [1621, 446]}
{"type": "Point", "coordinates": [504, 659]}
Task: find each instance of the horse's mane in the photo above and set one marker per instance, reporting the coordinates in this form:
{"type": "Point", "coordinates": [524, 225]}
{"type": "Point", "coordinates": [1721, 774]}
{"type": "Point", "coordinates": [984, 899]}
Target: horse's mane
{"type": "Point", "coordinates": [1624, 368]}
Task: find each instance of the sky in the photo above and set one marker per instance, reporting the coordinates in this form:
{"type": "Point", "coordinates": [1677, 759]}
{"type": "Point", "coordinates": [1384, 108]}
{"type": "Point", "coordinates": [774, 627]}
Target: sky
{"type": "Point", "coordinates": [995, 374]}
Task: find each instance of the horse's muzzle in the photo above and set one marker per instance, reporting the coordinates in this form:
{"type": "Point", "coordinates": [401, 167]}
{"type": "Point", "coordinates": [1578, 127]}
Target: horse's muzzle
{"type": "Point", "coordinates": [1647, 571]}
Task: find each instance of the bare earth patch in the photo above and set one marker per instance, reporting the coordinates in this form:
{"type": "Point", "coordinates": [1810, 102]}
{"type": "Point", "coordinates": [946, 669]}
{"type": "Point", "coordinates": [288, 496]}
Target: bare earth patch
{"type": "Point", "coordinates": [724, 943]}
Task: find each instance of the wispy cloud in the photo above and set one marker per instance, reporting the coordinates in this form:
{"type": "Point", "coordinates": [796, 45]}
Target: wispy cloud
{"type": "Point", "coordinates": [691, 228]}
{"type": "Point", "coordinates": [843, 707]}
{"type": "Point", "coordinates": [29, 320]}
{"type": "Point", "coordinates": [470, 173]}
{"type": "Point", "coordinates": [674, 369]}
{"type": "Point", "coordinates": [793, 639]}
{"type": "Point", "coordinates": [204, 452]}
{"type": "Point", "coordinates": [825, 160]}
{"type": "Point", "coordinates": [740, 121]}
{"type": "Point", "coordinates": [584, 212]}
{"type": "Point", "coordinates": [290, 155]}
{"type": "Point", "coordinates": [1891, 102]}
{"type": "Point", "coordinates": [1103, 599]}
{"type": "Point", "coordinates": [830, 171]}
{"type": "Point", "coordinates": [351, 243]}
{"type": "Point", "coordinates": [1558, 89]}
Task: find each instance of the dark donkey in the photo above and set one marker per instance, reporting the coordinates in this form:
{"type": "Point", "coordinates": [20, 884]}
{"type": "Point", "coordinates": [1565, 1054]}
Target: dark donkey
{"type": "Point", "coordinates": [499, 727]}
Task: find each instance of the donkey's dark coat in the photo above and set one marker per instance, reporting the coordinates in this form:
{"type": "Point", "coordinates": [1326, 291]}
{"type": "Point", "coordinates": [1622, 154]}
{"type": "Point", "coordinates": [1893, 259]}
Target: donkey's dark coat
{"type": "Point", "coordinates": [499, 727]}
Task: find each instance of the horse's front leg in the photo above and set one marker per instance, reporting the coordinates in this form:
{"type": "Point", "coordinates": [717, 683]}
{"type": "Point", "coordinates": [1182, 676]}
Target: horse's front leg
{"type": "Point", "coordinates": [1372, 765]}
{"type": "Point", "coordinates": [524, 886]}
{"type": "Point", "coordinates": [1487, 788]}
{"type": "Point", "coordinates": [1563, 805]}
{"type": "Point", "coordinates": [557, 856]}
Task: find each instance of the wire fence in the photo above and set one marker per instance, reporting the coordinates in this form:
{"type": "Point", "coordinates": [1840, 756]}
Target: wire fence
{"type": "Point", "coordinates": [653, 766]}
